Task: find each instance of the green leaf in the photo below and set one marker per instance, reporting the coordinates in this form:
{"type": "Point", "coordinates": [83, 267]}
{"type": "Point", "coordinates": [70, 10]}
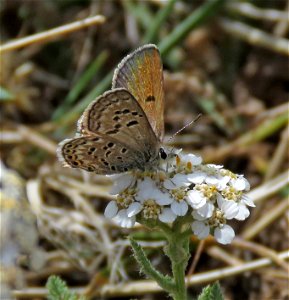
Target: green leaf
{"type": "Point", "coordinates": [92, 70]}
{"type": "Point", "coordinates": [58, 290]}
{"type": "Point", "coordinates": [157, 22]}
{"type": "Point", "coordinates": [195, 19]}
{"type": "Point", "coordinates": [211, 292]}
{"type": "Point", "coordinates": [146, 267]}
{"type": "Point", "coordinates": [5, 95]}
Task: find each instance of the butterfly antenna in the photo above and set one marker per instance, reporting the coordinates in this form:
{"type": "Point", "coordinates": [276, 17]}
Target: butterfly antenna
{"type": "Point", "coordinates": [180, 130]}
{"type": "Point", "coordinates": [187, 125]}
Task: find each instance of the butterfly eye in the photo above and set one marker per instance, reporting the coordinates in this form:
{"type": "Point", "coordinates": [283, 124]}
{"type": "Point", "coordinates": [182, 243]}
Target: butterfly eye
{"type": "Point", "coordinates": [163, 154]}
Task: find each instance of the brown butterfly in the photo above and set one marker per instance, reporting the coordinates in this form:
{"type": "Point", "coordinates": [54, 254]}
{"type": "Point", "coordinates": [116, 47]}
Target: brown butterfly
{"type": "Point", "coordinates": [122, 129]}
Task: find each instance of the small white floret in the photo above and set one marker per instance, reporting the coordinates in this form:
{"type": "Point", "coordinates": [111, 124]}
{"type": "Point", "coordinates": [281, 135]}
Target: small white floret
{"type": "Point", "coordinates": [200, 229]}
{"type": "Point", "coordinates": [111, 210]}
{"type": "Point", "coordinates": [224, 235]}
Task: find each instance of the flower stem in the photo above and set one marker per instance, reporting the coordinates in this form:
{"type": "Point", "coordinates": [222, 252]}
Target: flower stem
{"type": "Point", "coordinates": [177, 249]}
{"type": "Point", "coordinates": [165, 282]}
{"type": "Point", "coordinates": [178, 252]}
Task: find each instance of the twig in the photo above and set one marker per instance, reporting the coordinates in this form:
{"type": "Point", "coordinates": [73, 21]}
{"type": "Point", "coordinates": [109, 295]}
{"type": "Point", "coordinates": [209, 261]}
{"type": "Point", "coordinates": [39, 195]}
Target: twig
{"type": "Point", "coordinates": [52, 33]}
{"type": "Point", "coordinates": [265, 129]}
{"type": "Point", "coordinates": [269, 188]}
{"type": "Point", "coordinates": [251, 11]}
{"type": "Point", "coordinates": [93, 189]}
{"type": "Point", "coordinates": [281, 27]}
{"type": "Point", "coordinates": [196, 257]}
{"type": "Point", "coordinates": [266, 219]}
{"type": "Point", "coordinates": [218, 253]}
{"type": "Point", "coordinates": [37, 139]}
{"type": "Point", "coordinates": [279, 155]}
{"type": "Point", "coordinates": [143, 287]}
{"type": "Point", "coordinates": [262, 251]}
{"type": "Point", "coordinates": [255, 36]}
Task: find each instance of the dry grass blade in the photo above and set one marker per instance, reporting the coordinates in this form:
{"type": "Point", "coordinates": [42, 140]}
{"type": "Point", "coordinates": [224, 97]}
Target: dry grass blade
{"type": "Point", "coordinates": [255, 36]}
{"type": "Point", "coordinates": [143, 287]}
{"type": "Point", "coordinates": [51, 34]}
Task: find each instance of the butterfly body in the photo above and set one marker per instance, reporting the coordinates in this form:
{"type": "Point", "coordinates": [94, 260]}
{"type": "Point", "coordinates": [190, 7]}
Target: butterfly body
{"type": "Point", "coordinates": [121, 130]}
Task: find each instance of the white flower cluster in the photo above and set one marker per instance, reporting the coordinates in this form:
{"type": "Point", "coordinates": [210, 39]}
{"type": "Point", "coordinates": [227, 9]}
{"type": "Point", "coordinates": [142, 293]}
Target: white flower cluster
{"type": "Point", "coordinates": [182, 186]}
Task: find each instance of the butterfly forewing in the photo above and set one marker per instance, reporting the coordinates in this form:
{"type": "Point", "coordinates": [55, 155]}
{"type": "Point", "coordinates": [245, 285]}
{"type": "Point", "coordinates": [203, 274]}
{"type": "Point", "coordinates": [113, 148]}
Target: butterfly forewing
{"type": "Point", "coordinates": [141, 73]}
{"type": "Point", "coordinates": [98, 153]}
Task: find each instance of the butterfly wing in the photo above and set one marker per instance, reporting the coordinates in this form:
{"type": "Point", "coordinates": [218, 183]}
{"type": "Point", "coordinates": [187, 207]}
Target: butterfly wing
{"type": "Point", "coordinates": [141, 73]}
{"type": "Point", "coordinates": [116, 113]}
{"type": "Point", "coordinates": [98, 153]}
{"type": "Point", "coordinates": [116, 136]}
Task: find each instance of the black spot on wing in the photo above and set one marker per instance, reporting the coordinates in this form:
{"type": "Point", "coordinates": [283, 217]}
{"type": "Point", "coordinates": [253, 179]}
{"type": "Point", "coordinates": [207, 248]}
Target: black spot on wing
{"type": "Point", "coordinates": [150, 99]}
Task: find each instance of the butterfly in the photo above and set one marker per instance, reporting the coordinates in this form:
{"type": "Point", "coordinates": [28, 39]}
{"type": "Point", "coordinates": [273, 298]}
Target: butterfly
{"type": "Point", "coordinates": [122, 129]}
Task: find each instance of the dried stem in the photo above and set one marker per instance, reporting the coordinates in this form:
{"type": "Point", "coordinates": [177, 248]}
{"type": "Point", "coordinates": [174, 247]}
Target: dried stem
{"type": "Point", "coordinates": [251, 11]}
{"type": "Point", "coordinates": [266, 219]}
{"type": "Point", "coordinates": [255, 36]}
{"type": "Point", "coordinates": [52, 33]}
{"type": "Point", "coordinates": [144, 287]}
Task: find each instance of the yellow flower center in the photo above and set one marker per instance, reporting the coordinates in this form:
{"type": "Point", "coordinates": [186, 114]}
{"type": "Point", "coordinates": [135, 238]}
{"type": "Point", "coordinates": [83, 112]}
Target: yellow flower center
{"type": "Point", "coordinates": [151, 209]}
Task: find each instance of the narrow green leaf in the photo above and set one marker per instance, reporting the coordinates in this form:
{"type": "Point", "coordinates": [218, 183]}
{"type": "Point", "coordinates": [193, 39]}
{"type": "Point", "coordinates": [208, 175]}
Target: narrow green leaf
{"type": "Point", "coordinates": [140, 11]}
{"type": "Point", "coordinates": [5, 95]}
{"type": "Point", "coordinates": [73, 114]}
{"type": "Point", "coordinates": [153, 29]}
{"type": "Point", "coordinates": [82, 83]}
{"type": "Point", "coordinates": [198, 17]}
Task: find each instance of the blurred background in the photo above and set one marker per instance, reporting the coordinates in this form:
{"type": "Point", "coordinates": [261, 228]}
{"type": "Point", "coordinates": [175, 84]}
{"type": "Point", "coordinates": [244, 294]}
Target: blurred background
{"type": "Point", "coordinates": [225, 59]}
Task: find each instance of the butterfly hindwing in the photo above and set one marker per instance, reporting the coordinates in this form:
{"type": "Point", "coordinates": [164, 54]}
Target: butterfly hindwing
{"type": "Point", "coordinates": [98, 153]}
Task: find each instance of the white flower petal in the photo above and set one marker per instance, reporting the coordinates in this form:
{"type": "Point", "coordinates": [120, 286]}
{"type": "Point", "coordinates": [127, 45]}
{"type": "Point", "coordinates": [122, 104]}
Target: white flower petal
{"type": "Point", "coordinates": [248, 201]}
{"type": "Point", "coordinates": [146, 189]}
{"type": "Point", "coordinates": [163, 198]}
{"type": "Point", "coordinates": [123, 220]}
{"type": "Point", "coordinates": [179, 208]}
{"type": "Point", "coordinates": [121, 182]}
{"type": "Point", "coordinates": [197, 177]}
{"type": "Point", "coordinates": [167, 216]}
{"type": "Point", "coordinates": [181, 180]}
{"type": "Point", "coordinates": [111, 210]}
{"type": "Point", "coordinates": [206, 211]}
{"type": "Point", "coordinates": [200, 229]}
{"type": "Point", "coordinates": [220, 200]}
{"type": "Point", "coordinates": [216, 167]}
{"type": "Point", "coordinates": [224, 235]}
{"type": "Point", "coordinates": [192, 158]}
{"type": "Point", "coordinates": [243, 213]}
{"type": "Point", "coordinates": [212, 180]}
{"type": "Point", "coordinates": [230, 209]}
{"type": "Point", "coordinates": [169, 184]}
{"type": "Point", "coordinates": [196, 199]}
{"type": "Point", "coordinates": [133, 209]}
{"type": "Point", "coordinates": [247, 187]}
{"type": "Point", "coordinates": [222, 183]}
{"type": "Point", "coordinates": [239, 184]}
{"type": "Point", "coordinates": [197, 216]}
